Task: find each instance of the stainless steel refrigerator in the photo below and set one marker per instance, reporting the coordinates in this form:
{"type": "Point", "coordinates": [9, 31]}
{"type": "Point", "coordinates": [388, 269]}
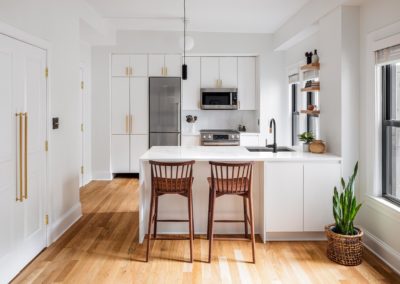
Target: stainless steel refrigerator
{"type": "Point", "coordinates": [165, 111]}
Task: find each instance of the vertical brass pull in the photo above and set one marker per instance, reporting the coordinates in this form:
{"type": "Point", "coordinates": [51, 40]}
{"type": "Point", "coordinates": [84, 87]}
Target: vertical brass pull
{"type": "Point", "coordinates": [130, 124]}
{"type": "Point", "coordinates": [26, 154]}
{"type": "Point", "coordinates": [126, 71]}
{"type": "Point", "coordinates": [162, 71]}
{"type": "Point", "coordinates": [166, 71]}
{"type": "Point", "coordinates": [126, 123]}
{"type": "Point", "coordinates": [19, 116]}
{"type": "Point", "coordinates": [130, 71]}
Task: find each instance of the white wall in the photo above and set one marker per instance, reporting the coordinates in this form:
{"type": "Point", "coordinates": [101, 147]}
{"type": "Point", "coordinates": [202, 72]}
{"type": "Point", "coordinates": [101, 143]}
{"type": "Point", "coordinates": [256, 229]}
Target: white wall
{"type": "Point", "coordinates": [380, 220]}
{"type": "Point", "coordinates": [271, 68]}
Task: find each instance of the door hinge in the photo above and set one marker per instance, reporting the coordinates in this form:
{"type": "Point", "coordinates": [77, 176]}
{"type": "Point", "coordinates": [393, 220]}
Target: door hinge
{"type": "Point", "coordinates": [81, 127]}
{"type": "Point", "coordinates": [46, 72]}
{"type": "Point", "coordinates": [82, 170]}
{"type": "Point", "coordinates": [46, 219]}
{"type": "Point", "coordinates": [46, 145]}
{"type": "Point", "coordinates": [82, 85]}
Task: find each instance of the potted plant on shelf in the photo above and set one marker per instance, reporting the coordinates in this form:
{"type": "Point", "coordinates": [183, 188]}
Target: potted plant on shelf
{"type": "Point", "coordinates": [306, 138]}
{"type": "Point", "coordinates": [344, 240]}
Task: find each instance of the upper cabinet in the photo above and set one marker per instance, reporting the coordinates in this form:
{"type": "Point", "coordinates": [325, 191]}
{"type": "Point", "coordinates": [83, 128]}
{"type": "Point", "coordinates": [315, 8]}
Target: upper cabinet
{"type": "Point", "coordinates": [123, 65]}
{"type": "Point", "coordinates": [191, 86]}
{"type": "Point", "coordinates": [247, 83]}
{"type": "Point", "coordinates": [219, 72]}
{"type": "Point", "coordinates": [165, 65]}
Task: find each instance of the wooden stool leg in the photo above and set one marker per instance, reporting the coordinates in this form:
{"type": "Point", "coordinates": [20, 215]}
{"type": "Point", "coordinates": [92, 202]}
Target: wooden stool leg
{"type": "Point", "coordinates": [211, 224]}
{"type": "Point", "coordinates": [253, 242]}
{"type": "Point", "coordinates": [190, 211]}
{"type": "Point", "coordinates": [155, 216]}
{"type": "Point", "coordinates": [209, 213]}
{"type": "Point", "coordinates": [149, 228]}
{"type": "Point", "coordinates": [246, 232]}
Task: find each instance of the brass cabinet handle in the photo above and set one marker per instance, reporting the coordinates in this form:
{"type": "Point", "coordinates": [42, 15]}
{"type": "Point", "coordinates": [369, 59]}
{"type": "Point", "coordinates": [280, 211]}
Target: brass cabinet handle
{"type": "Point", "coordinates": [162, 71]}
{"type": "Point", "coordinates": [166, 71]}
{"type": "Point", "coordinates": [26, 154]}
{"type": "Point", "coordinates": [20, 198]}
{"type": "Point", "coordinates": [126, 123]}
{"type": "Point", "coordinates": [126, 71]}
{"type": "Point", "coordinates": [130, 124]}
{"type": "Point", "coordinates": [130, 71]}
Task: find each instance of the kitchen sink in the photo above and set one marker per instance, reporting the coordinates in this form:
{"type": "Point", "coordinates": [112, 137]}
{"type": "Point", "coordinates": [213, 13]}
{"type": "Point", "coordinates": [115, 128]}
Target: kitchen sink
{"type": "Point", "coordinates": [269, 149]}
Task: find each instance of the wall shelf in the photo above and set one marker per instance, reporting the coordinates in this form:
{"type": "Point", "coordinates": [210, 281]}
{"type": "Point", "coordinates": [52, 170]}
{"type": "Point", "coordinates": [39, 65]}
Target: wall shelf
{"type": "Point", "coordinates": [311, 112]}
{"type": "Point", "coordinates": [311, 89]}
{"type": "Point", "coordinates": [309, 67]}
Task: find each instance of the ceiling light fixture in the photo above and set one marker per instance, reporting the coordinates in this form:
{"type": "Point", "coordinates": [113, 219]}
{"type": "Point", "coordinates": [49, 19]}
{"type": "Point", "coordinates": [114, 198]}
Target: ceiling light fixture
{"type": "Point", "coordinates": [184, 66]}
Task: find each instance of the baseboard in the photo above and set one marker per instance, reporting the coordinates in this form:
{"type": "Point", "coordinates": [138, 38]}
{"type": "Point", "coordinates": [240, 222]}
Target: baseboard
{"type": "Point", "coordinates": [382, 250]}
{"type": "Point", "coordinates": [102, 176]}
{"type": "Point", "coordinates": [61, 225]}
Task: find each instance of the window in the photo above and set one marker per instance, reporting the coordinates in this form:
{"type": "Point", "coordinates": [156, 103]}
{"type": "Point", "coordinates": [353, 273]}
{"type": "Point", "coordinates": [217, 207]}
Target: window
{"type": "Point", "coordinates": [390, 76]}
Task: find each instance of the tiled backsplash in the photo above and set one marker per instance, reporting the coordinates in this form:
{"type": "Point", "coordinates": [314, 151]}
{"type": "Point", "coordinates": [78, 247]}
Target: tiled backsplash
{"type": "Point", "coordinates": [220, 119]}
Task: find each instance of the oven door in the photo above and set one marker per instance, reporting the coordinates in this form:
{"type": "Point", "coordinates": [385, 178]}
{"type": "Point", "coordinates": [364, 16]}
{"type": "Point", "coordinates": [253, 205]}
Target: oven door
{"type": "Point", "coordinates": [219, 99]}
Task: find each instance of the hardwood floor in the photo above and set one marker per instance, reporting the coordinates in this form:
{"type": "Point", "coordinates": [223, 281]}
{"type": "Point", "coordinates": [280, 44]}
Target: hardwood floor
{"type": "Point", "coordinates": [102, 248]}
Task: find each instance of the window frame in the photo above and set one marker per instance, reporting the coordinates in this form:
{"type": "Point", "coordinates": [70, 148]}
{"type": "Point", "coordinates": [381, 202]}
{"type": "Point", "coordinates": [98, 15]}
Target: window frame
{"type": "Point", "coordinates": [388, 77]}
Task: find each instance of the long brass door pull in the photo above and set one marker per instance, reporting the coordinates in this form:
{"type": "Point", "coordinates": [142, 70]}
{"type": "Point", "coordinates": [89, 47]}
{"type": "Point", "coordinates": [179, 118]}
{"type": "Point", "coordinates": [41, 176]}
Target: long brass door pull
{"type": "Point", "coordinates": [26, 155]}
{"type": "Point", "coordinates": [20, 179]}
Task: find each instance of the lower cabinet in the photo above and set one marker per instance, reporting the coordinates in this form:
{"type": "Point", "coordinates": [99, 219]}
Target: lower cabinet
{"type": "Point", "coordinates": [303, 202]}
{"type": "Point", "coordinates": [249, 139]}
{"type": "Point", "coordinates": [126, 151]}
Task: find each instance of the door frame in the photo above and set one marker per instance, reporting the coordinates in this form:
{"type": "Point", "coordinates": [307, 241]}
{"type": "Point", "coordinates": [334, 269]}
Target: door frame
{"type": "Point", "coordinates": [30, 39]}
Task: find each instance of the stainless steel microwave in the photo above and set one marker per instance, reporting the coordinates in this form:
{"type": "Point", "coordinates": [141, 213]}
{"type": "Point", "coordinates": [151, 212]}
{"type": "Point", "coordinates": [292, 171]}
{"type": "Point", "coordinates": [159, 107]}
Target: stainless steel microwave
{"type": "Point", "coordinates": [219, 98]}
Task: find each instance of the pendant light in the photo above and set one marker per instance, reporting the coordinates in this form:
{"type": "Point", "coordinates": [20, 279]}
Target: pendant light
{"type": "Point", "coordinates": [184, 66]}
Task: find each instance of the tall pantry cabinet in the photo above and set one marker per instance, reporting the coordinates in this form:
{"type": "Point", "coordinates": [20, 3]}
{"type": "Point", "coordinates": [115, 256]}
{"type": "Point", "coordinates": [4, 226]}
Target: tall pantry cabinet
{"type": "Point", "coordinates": [129, 112]}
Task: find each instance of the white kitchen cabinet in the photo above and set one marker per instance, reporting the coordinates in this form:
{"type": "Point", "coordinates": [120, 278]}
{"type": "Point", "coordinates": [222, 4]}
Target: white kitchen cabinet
{"type": "Point", "coordinates": [247, 83]}
{"type": "Point", "coordinates": [120, 65]}
{"type": "Point", "coordinates": [173, 65]}
{"type": "Point", "coordinates": [209, 72]}
{"type": "Point", "coordinates": [319, 181]}
{"type": "Point", "coordinates": [228, 72]}
{"type": "Point", "coordinates": [191, 86]}
{"type": "Point", "coordinates": [139, 144]}
{"type": "Point", "coordinates": [120, 153]}
{"type": "Point", "coordinates": [283, 197]}
{"type": "Point", "coordinates": [120, 105]}
{"type": "Point", "coordinates": [139, 106]}
{"type": "Point", "coordinates": [138, 64]}
{"type": "Point", "coordinates": [165, 65]}
{"type": "Point", "coordinates": [190, 140]}
{"type": "Point", "coordinates": [249, 139]}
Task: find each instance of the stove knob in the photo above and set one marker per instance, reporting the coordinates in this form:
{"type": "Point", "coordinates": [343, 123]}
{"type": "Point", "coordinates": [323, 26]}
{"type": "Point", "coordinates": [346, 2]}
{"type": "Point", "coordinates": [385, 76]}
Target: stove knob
{"type": "Point", "coordinates": [233, 136]}
{"type": "Point", "coordinates": [209, 136]}
{"type": "Point", "coordinates": [204, 136]}
{"type": "Point", "coordinates": [237, 136]}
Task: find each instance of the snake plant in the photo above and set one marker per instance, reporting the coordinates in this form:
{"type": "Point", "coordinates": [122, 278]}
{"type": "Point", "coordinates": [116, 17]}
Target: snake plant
{"type": "Point", "coordinates": [345, 207]}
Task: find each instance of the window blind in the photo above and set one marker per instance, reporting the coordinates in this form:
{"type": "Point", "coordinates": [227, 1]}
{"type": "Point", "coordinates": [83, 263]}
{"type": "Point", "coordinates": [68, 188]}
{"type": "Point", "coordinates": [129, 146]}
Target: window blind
{"type": "Point", "coordinates": [294, 78]}
{"type": "Point", "coordinates": [388, 55]}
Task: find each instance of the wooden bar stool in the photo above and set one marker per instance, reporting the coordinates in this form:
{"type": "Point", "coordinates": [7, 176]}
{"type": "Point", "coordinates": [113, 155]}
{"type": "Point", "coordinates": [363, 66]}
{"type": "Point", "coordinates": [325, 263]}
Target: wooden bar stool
{"type": "Point", "coordinates": [170, 178]}
{"type": "Point", "coordinates": [231, 179]}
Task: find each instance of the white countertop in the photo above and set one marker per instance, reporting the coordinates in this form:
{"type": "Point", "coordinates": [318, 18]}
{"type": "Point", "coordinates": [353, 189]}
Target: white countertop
{"type": "Point", "coordinates": [227, 153]}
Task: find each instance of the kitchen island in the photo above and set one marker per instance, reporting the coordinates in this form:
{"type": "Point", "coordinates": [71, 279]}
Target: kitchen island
{"type": "Point", "coordinates": [292, 192]}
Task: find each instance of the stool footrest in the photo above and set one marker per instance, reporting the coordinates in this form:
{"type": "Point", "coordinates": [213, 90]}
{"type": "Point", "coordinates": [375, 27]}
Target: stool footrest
{"type": "Point", "coordinates": [229, 221]}
{"type": "Point", "coordinates": [231, 239]}
{"type": "Point", "coordinates": [172, 220]}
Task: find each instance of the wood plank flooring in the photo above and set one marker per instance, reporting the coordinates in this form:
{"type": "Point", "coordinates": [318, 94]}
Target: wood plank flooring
{"type": "Point", "coordinates": [102, 248]}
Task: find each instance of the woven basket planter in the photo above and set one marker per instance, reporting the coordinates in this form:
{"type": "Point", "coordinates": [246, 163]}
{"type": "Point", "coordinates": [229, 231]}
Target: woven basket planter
{"type": "Point", "coordinates": [345, 250]}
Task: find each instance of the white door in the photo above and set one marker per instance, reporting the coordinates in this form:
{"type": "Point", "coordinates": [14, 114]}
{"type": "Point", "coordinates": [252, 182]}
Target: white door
{"type": "Point", "coordinates": [120, 105]}
{"type": "Point", "coordinates": [228, 72]}
{"type": "Point", "coordinates": [209, 72]}
{"type": "Point", "coordinates": [283, 197]}
{"type": "Point", "coordinates": [120, 153]}
{"type": "Point", "coordinates": [247, 83]}
{"type": "Point", "coordinates": [139, 100]}
{"type": "Point", "coordinates": [191, 86]}
{"type": "Point", "coordinates": [138, 64]}
{"type": "Point", "coordinates": [120, 65]}
{"type": "Point", "coordinates": [156, 65]}
{"type": "Point", "coordinates": [319, 181]}
{"type": "Point", "coordinates": [139, 145]}
{"type": "Point", "coordinates": [22, 155]}
{"type": "Point", "coordinates": [173, 65]}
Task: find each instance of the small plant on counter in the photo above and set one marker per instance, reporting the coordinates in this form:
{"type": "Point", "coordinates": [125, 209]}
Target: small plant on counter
{"type": "Point", "coordinates": [306, 137]}
{"type": "Point", "coordinates": [344, 240]}
{"type": "Point", "coordinates": [191, 118]}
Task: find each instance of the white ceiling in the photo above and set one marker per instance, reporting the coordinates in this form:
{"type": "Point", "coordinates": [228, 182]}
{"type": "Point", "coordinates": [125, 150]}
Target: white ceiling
{"type": "Point", "coordinates": [241, 16]}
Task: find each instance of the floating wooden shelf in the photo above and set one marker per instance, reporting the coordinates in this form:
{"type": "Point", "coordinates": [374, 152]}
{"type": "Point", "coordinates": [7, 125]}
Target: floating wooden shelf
{"type": "Point", "coordinates": [311, 89]}
{"type": "Point", "coordinates": [309, 67]}
{"type": "Point", "coordinates": [311, 112]}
